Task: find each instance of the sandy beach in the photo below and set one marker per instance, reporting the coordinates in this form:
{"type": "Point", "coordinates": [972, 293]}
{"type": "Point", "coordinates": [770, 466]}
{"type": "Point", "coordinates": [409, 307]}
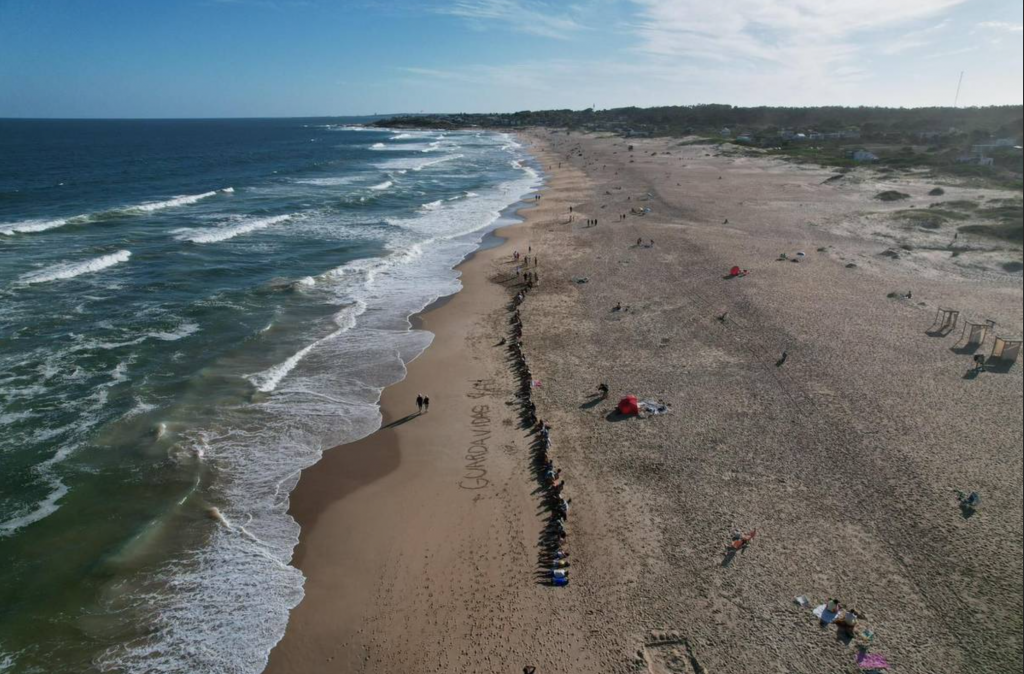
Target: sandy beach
{"type": "Point", "coordinates": [810, 400]}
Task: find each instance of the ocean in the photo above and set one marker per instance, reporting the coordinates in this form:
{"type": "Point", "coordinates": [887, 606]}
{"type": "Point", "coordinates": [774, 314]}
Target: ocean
{"type": "Point", "coordinates": [191, 312]}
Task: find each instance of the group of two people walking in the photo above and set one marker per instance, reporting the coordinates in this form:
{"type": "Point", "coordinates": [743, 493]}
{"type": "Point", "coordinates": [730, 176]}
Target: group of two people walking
{"type": "Point", "coordinates": [422, 404]}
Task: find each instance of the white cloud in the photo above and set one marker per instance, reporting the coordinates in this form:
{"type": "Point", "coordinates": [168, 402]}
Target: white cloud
{"type": "Point", "coordinates": [744, 52]}
{"type": "Point", "coordinates": [1002, 26]}
{"type": "Point", "coordinates": [819, 45]}
{"type": "Point", "coordinates": [914, 39]}
{"type": "Point", "coordinates": [524, 16]}
{"type": "Point", "coordinates": [954, 52]}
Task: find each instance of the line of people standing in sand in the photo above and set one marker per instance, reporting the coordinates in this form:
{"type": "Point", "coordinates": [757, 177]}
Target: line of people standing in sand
{"type": "Point", "coordinates": [554, 558]}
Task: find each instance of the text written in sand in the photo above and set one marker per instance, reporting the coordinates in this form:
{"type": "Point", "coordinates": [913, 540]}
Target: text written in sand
{"type": "Point", "coordinates": [482, 388]}
{"type": "Point", "coordinates": [475, 476]}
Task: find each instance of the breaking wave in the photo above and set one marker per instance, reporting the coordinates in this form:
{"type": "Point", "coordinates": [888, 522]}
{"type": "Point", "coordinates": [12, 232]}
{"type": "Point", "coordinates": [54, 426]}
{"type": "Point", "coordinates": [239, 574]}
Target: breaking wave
{"type": "Point", "coordinates": [68, 270]}
{"type": "Point", "coordinates": [217, 234]}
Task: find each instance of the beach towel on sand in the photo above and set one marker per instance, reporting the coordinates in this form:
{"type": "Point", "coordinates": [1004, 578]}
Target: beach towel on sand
{"type": "Point", "coordinates": [827, 617]}
{"type": "Point", "coordinates": [653, 407]}
{"type": "Point", "coordinates": [871, 661]}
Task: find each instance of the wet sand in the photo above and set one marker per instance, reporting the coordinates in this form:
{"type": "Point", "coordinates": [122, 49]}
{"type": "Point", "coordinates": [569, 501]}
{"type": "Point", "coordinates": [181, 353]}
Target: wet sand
{"type": "Point", "coordinates": [845, 457]}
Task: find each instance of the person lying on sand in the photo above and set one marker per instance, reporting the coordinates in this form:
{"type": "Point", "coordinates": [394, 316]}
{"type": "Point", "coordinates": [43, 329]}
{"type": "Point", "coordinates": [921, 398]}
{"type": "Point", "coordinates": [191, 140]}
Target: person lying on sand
{"type": "Point", "coordinates": [742, 540]}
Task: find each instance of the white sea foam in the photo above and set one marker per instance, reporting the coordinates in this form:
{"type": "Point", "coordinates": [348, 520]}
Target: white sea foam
{"type": "Point", "coordinates": [329, 182]}
{"type": "Point", "coordinates": [402, 136]}
{"type": "Point", "coordinates": [12, 417]}
{"type": "Point", "coordinates": [432, 206]}
{"type": "Point", "coordinates": [416, 164]}
{"type": "Point", "coordinates": [464, 195]}
{"type": "Point", "coordinates": [140, 407]}
{"type": "Point", "coordinates": [217, 234]}
{"type": "Point", "coordinates": [387, 184]}
{"type": "Point", "coordinates": [269, 379]}
{"type": "Point", "coordinates": [220, 607]}
{"type": "Point", "coordinates": [38, 511]}
{"type": "Point", "coordinates": [183, 200]}
{"type": "Point", "coordinates": [378, 146]}
{"type": "Point", "coordinates": [181, 332]}
{"type": "Point", "coordinates": [36, 226]}
{"type": "Point", "coordinates": [67, 270]}
{"type": "Point", "coordinates": [31, 226]}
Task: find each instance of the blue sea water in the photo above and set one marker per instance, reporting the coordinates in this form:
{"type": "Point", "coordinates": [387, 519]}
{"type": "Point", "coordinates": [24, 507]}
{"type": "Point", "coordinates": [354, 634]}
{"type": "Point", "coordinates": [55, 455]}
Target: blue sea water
{"type": "Point", "coordinates": [190, 313]}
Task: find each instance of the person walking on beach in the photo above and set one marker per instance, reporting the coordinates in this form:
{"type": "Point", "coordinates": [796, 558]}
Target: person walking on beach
{"type": "Point", "coordinates": [419, 404]}
{"type": "Point", "coordinates": [426, 404]}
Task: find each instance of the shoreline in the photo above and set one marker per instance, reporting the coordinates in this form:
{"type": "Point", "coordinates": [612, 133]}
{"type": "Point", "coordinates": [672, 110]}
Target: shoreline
{"type": "Point", "coordinates": [318, 500]}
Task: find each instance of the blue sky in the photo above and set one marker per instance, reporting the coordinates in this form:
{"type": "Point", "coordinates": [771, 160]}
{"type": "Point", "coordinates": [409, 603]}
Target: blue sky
{"type": "Point", "coordinates": [244, 58]}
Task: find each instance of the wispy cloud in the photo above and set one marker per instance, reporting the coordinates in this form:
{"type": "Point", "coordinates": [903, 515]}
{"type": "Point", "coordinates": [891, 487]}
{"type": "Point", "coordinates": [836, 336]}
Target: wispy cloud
{"type": "Point", "coordinates": [771, 52]}
{"type": "Point", "coordinates": [1001, 26]}
{"type": "Point", "coordinates": [820, 44]}
{"type": "Point", "coordinates": [953, 52]}
{"type": "Point", "coordinates": [544, 19]}
{"type": "Point", "coordinates": [914, 39]}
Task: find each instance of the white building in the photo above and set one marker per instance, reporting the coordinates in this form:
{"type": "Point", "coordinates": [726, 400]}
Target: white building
{"type": "Point", "coordinates": [864, 155]}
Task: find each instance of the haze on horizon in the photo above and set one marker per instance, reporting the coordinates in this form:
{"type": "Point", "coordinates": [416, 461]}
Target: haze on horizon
{"type": "Point", "coordinates": [263, 58]}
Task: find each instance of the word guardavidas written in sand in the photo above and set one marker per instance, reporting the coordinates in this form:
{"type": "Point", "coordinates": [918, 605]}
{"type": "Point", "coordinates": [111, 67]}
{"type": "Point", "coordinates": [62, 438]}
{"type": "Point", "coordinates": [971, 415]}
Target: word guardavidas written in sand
{"type": "Point", "coordinates": [475, 476]}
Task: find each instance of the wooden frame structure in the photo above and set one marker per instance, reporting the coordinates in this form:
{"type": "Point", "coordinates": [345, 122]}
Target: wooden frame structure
{"type": "Point", "coordinates": [1005, 350]}
{"type": "Point", "coordinates": [974, 334]}
{"type": "Point", "coordinates": [945, 321]}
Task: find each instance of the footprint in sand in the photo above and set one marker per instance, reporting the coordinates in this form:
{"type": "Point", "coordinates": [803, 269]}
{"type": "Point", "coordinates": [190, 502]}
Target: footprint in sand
{"type": "Point", "coordinates": [668, 653]}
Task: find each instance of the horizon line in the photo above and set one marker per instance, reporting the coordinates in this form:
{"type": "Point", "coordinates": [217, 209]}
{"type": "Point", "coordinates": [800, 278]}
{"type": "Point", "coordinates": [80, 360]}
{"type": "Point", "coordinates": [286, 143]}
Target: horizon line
{"type": "Point", "coordinates": [428, 114]}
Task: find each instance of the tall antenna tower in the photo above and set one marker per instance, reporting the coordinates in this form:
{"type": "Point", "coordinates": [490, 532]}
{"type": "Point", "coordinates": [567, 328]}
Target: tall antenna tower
{"type": "Point", "coordinates": [956, 99]}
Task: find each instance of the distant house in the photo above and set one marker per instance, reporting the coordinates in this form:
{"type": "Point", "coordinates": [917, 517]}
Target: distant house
{"type": "Point", "coordinates": [744, 138]}
{"type": "Point", "coordinates": [975, 159]}
{"type": "Point", "coordinates": [725, 132]}
{"type": "Point", "coordinates": [999, 144]}
{"type": "Point", "coordinates": [863, 155]}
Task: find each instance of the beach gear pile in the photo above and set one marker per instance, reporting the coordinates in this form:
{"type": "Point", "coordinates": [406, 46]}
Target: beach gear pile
{"type": "Point", "coordinates": [736, 272]}
{"type": "Point", "coordinates": [553, 557]}
{"type": "Point", "coordinates": [850, 624]}
{"type": "Point", "coordinates": [631, 406]}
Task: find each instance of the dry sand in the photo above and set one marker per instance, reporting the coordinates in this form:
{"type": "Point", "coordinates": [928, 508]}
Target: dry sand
{"type": "Point", "coordinates": [845, 459]}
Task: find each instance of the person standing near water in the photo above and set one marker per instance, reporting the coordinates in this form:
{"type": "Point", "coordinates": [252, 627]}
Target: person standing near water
{"type": "Point", "coordinates": [419, 404]}
{"type": "Point", "coordinates": [426, 404]}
